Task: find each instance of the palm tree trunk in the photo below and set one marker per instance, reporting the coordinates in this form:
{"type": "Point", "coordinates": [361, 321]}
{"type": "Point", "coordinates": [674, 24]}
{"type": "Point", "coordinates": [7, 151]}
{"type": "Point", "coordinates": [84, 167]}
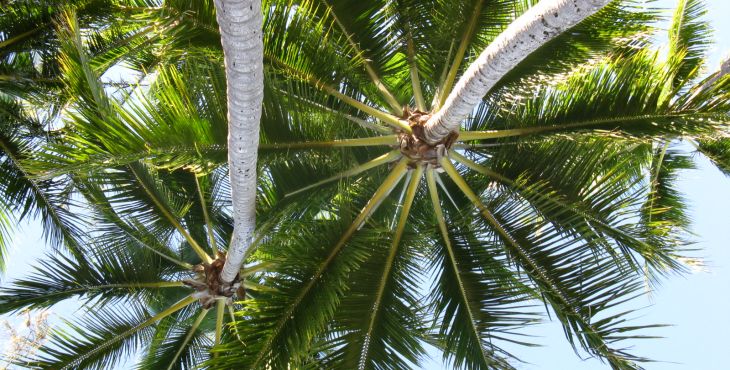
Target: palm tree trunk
{"type": "Point", "coordinates": [724, 70]}
{"type": "Point", "coordinates": [537, 26]}
{"type": "Point", "coordinates": [240, 24]}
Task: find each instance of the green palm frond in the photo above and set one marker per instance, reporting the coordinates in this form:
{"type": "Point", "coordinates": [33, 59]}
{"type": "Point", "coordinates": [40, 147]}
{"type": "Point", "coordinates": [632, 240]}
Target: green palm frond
{"type": "Point", "coordinates": [632, 85]}
{"type": "Point", "coordinates": [587, 189]}
{"type": "Point", "coordinates": [182, 345]}
{"type": "Point", "coordinates": [21, 193]}
{"type": "Point", "coordinates": [665, 211]}
{"type": "Point", "coordinates": [689, 38]}
{"type": "Point", "coordinates": [287, 321]}
{"type": "Point", "coordinates": [114, 231]}
{"type": "Point", "coordinates": [5, 233]}
{"type": "Point", "coordinates": [577, 297]}
{"type": "Point", "coordinates": [298, 113]}
{"type": "Point", "coordinates": [164, 127]}
{"type": "Point", "coordinates": [719, 153]}
{"type": "Point", "coordinates": [295, 36]}
{"type": "Point", "coordinates": [105, 276]}
{"type": "Point", "coordinates": [379, 314]}
{"type": "Point", "coordinates": [142, 193]}
{"type": "Point", "coordinates": [102, 338]}
{"type": "Point", "coordinates": [477, 300]}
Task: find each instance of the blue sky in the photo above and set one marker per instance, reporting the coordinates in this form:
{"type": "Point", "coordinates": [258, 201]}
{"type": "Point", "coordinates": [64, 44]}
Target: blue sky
{"type": "Point", "coordinates": [696, 305]}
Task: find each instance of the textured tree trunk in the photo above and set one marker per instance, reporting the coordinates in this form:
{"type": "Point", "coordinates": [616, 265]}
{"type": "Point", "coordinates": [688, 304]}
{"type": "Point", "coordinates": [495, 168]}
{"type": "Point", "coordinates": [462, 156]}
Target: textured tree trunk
{"type": "Point", "coordinates": [724, 70]}
{"type": "Point", "coordinates": [537, 26]}
{"type": "Point", "coordinates": [240, 24]}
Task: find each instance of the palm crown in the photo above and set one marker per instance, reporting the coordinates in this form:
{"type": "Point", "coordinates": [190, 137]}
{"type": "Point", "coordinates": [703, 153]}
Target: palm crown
{"type": "Point", "coordinates": [372, 239]}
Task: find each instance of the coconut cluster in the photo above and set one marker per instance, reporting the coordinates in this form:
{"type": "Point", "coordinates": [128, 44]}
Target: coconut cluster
{"type": "Point", "coordinates": [414, 146]}
{"type": "Point", "coordinates": [208, 285]}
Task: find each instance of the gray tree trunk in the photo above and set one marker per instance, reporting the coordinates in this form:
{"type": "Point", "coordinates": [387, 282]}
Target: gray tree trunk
{"type": "Point", "coordinates": [724, 69]}
{"type": "Point", "coordinates": [240, 24]}
{"type": "Point", "coordinates": [537, 26]}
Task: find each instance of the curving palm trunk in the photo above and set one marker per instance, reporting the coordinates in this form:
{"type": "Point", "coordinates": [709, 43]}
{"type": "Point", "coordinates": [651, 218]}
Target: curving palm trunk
{"type": "Point", "coordinates": [537, 26]}
{"type": "Point", "coordinates": [240, 24]}
{"type": "Point", "coordinates": [722, 72]}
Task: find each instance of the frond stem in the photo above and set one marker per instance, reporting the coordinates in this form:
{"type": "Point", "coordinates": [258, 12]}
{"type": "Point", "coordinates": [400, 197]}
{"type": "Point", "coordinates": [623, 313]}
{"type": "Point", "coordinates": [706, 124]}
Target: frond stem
{"type": "Point", "coordinates": [165, 313]}
{"type": "Point", "coordinates": [383, 159]}
{"type": "Point", "coordinates": [367, 141]}
{"type": "Point", "coordinates": [619, 121]}
{"type": "Point", "coordinates": [19, 37]}
{"type": "Point", "coordinates": [466, 38]}
{"type": "Point", "coordinates": [442, 78]}
{"type": "Point", "coordinates": [655, 178]}
{"type": "Point", "coordinates": [87, 289]}
{"type": "Point", "coordinates": [206, 216]}
{"type": "Point", "coordinates": [415, 79]}
{"type": "Point", "coordinates": [168, 215]}
{"type": "Point", "coordinates": [220, 310]}
{"type": "Point", "coordinates": [388, 263]}
{"type": "Point", "coordinates": [191, 332]}
{"type": "Point", "coordinates": [395, 107]}
{"type": "Point", "coordinates": [383, 191]}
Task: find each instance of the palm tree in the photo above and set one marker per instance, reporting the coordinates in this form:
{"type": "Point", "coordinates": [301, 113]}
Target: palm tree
{"type": "Point", "coordinates": [558, 189]}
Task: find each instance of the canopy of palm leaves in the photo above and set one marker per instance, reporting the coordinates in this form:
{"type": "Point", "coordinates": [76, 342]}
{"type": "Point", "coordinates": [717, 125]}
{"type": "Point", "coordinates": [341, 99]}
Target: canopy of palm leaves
{"type": "Point", "coordinates": [556, 197]}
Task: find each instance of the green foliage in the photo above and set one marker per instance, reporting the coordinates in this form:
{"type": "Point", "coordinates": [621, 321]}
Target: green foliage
{"type": "Point", "coordinates": [560, 192]}
{"type": "Point", "coordinates": [719, 152]}
{"type": "Point", "coordinates": [689, 38]}
{"type": "Point", "coordinates": [108, 276]}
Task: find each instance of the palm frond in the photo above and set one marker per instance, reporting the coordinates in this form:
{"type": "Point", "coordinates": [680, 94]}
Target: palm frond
{"type": "Point", "coordinates": [22, 194]}
{"type": "Point", "coordinates": [316, 279]}
{"type": "Point", "coordinates": [719, 153]}
{"type": "Point", "coordinates": [102, 339]}
{"type": "Point", "coordinates": [665, 213]}
{"type": "Point", "coordinates": [595, 189]}
{"type": "Point", "coordinates": [477, 301]}
{"type": "Point", "coordinates": [378, 316]}
{"type": "Point", "coordinates": [184, 345]}
{"type": "Point", "coordinates": [596, 212]}
{"type": "Point", "coordinates": [5, 232]}
{"type": "Point", "coordinates": [689, 38]}
{"type": "Point", "coordinates": [106, 276]}
{"type": "Point", "coordinates": [586, 100]}
{"type": "Point", "coordinates": [293, 36]}
{"type": "Point", "coordinates": [548, 259]}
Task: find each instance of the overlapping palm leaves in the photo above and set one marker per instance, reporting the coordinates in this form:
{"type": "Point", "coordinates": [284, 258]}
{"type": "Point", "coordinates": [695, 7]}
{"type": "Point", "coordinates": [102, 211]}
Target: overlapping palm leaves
{"type": "Point", "coordinates": [558, 189]}
{"type": "Point", "coordinates": [161, 221]}
{"type": "Point", "coordinates": [33, 95]}
{"type": "Point", "coordinates": [547, 216]}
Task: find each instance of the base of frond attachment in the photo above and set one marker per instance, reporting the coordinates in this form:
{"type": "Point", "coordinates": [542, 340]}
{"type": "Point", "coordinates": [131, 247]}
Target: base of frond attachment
{"type": "Point", "coordinates": [208, 285]}
{"type": "Point", "coordinates": [414, 145]}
